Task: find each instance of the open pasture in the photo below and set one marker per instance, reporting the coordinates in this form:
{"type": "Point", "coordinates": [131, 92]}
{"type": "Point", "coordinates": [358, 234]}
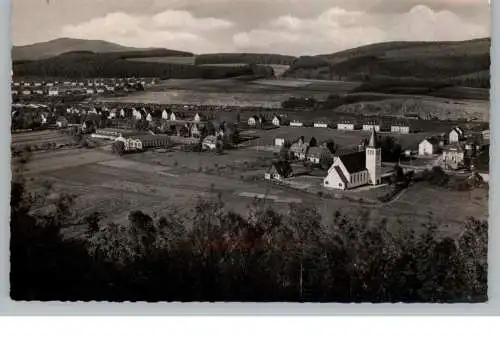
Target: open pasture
{"type": "Point", "coordinates": [179, 60]}
{"type": "Point", "coordinates": [341, 137]}
{"type": "Point", "coordinates": [38, 138]}
{"type": "Point", "coordinates": [154, 182]}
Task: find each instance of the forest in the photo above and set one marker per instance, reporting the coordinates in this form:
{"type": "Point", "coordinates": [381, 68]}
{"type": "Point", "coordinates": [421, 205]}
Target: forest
{"type": "Point", "coordinates": [81, 65]}
{"type": "Point", "coordinates": [212, 254]}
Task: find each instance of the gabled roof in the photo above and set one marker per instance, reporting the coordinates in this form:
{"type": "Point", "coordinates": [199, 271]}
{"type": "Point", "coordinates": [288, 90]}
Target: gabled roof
{"type": "Point", "coordinates": [354, 162]}
{"type": "Point", "coordinates": [282, 167]}
{"type": "Point", "coordinates": [341, 174]}
{"type": "Point", "coordinates": [432, 140]}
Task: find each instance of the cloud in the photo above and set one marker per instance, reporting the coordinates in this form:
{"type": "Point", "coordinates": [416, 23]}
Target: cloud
{"type": "Point", "coordinates": [337, 29]}
{"type": "Point", "coordinates": [169, 29]}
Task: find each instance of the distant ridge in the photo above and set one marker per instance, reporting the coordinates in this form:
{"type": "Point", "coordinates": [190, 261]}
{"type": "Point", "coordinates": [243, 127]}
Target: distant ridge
{"type": "Point", "coordinates": [45, 50]}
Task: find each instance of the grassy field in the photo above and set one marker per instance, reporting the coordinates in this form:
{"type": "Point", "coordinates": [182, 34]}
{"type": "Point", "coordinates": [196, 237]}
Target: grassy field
{"type": "Point", "coordinates": [154, 182]}
{"type": "Point", "coordinates": [180, 60]}
{"type": "Point", "coordinates": [38, 138]}
{"type": "Point", "coordinates": [341, 137]}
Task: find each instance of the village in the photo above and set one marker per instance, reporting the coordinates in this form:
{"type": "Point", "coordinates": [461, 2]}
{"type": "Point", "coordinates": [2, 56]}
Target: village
{"type": "Point", "coordinates": [332, 158]}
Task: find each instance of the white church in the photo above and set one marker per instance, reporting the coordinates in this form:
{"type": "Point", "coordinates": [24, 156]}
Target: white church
{"type": "Point", "coordinates": [357, 168]}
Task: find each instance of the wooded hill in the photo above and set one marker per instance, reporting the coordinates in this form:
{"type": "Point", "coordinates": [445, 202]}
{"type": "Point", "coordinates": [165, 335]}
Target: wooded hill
{"type": "Point", "coordinates": [463, 63]}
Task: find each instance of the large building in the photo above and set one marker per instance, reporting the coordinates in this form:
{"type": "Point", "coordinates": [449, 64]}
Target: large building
{"type": "Point", "coordinates": [356, 168]}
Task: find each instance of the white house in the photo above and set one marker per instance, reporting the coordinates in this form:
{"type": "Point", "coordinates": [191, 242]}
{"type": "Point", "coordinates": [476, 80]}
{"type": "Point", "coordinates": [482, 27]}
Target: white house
{"type": "Point", "coordinates": [14, 91]}
{"type": "Point", "coordinates": [279, 141]}
{"type": "Point", "coordinates": [299, 149]}
{"type": "Point", "coordinates": [209, 143]}
{"type": "Point", "coordinates": [39, 91]}
{"type": "Point", "coordinates": [197, 117]}
{"type": "Point", "coordinates": [122, 112]}
{"type": "Point", "coordinates": [26, 92]}
{"type": "Point", "coordinates": [320, 124]}
{"type": "Point", "coordinates": [276, 121]}
{"type": "Point", "coordinates": [485, 134]}
{"type": "Point", "coordinates": [455, 135]}
{"type": "Point", "coordinates": [428, 146]}
{"type": "Point", "coordinates": [368, 126]}
{"type": "Point", "coordinates": [100, 90]}
{"type": "Point", "coordinates": [164, 115]}
{"type": "Point", "coordinates": [252, 121]}
{"type": "Point", "coordinates": [112, 114]}
{"type": "Point", "coordinates": [453, 156]}
{"type": "Point", "coordinates": [400, 128]}
{"type": "Point", "coordinates": [345, 125]}
{"type": "Point", "coordinates": [356, 168]}
{"type": "Point", "coordinates": [296, 123]}
{"type": "Point", "coordinates": [149, 118]}
{"type": "Point", "coordinates": [173, 117]}
{"type": "Point", "coordinates": [89, 91]}
{"type": "Point", "coordinates": [43, 119]}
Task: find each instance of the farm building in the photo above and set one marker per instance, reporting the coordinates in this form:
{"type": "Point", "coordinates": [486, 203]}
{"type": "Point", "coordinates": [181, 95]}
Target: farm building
{"type": "Point", "coordinates": [320, 124]}
{"type": "Point", "coordinates": [453, 156]}
{"type": "Point", "coordinates": [429, 146]}
{"type": "Point", "coordinates": [456, 135]}
{"type": "Point", "coordinates": [400, 128]}
{"type": "Point", "coordinates": [346, 125]}
{"type": "Point", "coordinates": [296, 123]}
{"type": "Point", "coordinates": [278, 171]}
{"type": "Point", "coordinates": [209, 143]}
{"type": "Point", "coordinates": [142, 142]}
{"type": "Point", "coordinates": [357, 168]}
{"type": "Point", "coordinates": [299, 149]}
{"type": "Point", "coordinates": [276, 121]}
{"type": "Point", "coordinates": [371, 125]}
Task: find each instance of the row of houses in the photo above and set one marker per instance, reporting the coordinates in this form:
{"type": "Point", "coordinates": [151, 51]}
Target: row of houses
{"type": "Point", "coordinates": [84, 83]}
{"type": "Point", "coordinates": [395, 127]}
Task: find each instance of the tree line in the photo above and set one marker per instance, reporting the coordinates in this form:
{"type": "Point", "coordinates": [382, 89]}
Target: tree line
{"type": "Point", "coordinates": [89, 65]}
{"type": "Point", "coordinates": [210, 253]}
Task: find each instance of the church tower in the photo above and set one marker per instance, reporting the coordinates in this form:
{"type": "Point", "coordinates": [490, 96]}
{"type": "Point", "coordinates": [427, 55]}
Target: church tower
{"type": "Point", "coordinates": [373, 159]}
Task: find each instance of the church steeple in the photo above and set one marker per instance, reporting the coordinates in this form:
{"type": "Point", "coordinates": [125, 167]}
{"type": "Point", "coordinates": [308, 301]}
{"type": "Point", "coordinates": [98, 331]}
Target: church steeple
{"type": "Point", "coordinates": [373, 139]}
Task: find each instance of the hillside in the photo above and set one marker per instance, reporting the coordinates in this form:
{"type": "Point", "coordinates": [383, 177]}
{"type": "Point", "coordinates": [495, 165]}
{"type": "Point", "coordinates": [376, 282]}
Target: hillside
{"type": "Point", "coordinates": [80, 65]}
{"type": "Point", "coordinates": [44, 50]}
{"type": "Point", "coordinates": [461, 63]}
{"type": "Point", "coordinates": [245, 58]}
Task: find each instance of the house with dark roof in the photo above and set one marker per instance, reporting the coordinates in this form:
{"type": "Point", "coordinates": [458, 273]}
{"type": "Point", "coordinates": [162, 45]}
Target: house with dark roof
{"type": "Point", "coordinates": [456, 135]}
{"type": "Point", "coordinates": [299, 149]}
{"type": "Point", "coordinates": [429, 146]}
{"type": "Point", "coordinates": [315, 154]}
{"type": "Point", "coordinates": [276, 121]}
{"type": "Point", "coordinates": [355, 169]}
{"type": "Point", "coordinates": [278, 171]}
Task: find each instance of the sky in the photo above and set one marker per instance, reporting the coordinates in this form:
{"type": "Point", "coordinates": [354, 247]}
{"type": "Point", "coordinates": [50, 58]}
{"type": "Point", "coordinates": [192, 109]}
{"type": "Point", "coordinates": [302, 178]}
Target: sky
{"type": "Point", "coordinates": [293, 27]}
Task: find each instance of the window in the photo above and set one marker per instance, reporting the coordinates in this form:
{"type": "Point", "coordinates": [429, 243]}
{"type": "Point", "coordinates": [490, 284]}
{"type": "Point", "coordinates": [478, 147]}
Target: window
{"type": "Point", "coordinates": [340, 185]}
{"type": "Point", "coordinates": [326, 182]}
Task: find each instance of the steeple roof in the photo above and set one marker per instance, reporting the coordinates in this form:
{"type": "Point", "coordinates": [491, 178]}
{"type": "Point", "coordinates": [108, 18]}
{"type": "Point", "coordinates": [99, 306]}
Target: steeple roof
{"type": "Point", "coordinates": [373, 140]}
